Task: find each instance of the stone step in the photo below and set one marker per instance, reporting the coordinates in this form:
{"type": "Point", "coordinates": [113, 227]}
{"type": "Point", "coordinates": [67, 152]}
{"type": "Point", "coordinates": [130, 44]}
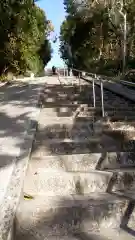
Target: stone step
{"type": "Point", "coordinates": [53, 182]}
{"type": "Point", "coordinates": [45, 217]}
{"type": "Point", "coordinates": [64, 125]}
{"type": "Point", "coordinates": [130, 121]}
{"type": "Point", "coordinates": [66, 132]}
{"type": "Point", "coordinates": [67, 141]}
{"type": "Point", "coordinates": [119, 116]}
{"type": "Point", "coordinates": [129, 194]}
{"type": "Point", "coordinates": [80, 235]}
{"type": "Point", "coordinates": [84, 162]}
{"type": "Point", "coordinates": [60, 121]}
{"type": "Point", "coordinates": [65, 88]}
{"type": "Point", "coordinates": [91, 145]}
{"type": "Point", "coordinates": [61, 110]}
{"type": "Point", "coordinates": [123, 117]}
{"type": "Point", "coordinates": [60, 104]}
{"type": "Point", "coordinates": [122, 180]}
{"type": "Point", "coordinates": [122, 133]}
{"type": "Point", "coordinates": [128, 219]}
{"type": "Point", "coordinates": [74, 162]}
{"type": "Point", "coordinates": [110, 109]}
{"type": "Point", "coordinates": [118, 124]}
{"type": "Point", "coordinates": [46, 148]}
{"type": "Point", "coordinates": [116, 160]}
{"type": "Point", "coordinates": [69, 120]}
{"type": "Point", "coordinates": [63, 96]}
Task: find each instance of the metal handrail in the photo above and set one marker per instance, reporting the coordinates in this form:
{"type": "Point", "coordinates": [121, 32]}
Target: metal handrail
{"type": "Point", "coordinates": [98, 77]}
{"type": "Point", "coordinates": [101, 80]}
{"type": "Point", "coordinates": [127, 83]}
{"type": "Point", "coordinates": [94, 76]}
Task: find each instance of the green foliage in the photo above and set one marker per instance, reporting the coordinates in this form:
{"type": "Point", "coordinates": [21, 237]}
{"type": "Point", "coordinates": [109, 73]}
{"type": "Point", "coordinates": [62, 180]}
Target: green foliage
{"type": "Point", "coordinates": [23, 30]}
{"type": "Point", "coordinates": [94, 32]}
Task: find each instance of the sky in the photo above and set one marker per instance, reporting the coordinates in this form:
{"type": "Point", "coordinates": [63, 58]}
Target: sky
{"type": "Point", "coordinates": [54, 10]}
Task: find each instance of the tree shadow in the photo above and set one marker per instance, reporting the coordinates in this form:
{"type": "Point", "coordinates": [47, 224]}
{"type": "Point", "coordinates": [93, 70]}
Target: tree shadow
{"type": "Point", "coordinates": [18, 109]}
{"type": "Point", "coordinates": [64, 148]}
{"type": "Point", "coordinates": [69, 217]}
{"type": "Point", "coordinates": [126, 218]}
{"type": "Point", "coordinates": [17, 104]}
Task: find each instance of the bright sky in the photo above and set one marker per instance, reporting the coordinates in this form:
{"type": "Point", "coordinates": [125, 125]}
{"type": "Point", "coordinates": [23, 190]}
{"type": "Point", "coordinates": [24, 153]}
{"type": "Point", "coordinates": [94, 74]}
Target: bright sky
{"type": "Point", "coordinates": [55, 12]}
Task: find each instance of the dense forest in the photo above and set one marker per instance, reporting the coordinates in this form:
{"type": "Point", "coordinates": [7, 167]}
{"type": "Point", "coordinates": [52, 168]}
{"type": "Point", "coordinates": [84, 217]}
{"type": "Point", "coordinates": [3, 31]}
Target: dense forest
{"type": "Point", "coordinates": [24, 45]}
{"type": "Point", "coordinates": [99, 35]}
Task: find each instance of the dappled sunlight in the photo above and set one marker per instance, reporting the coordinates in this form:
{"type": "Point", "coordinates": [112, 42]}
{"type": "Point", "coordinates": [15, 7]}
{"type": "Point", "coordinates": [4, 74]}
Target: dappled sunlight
{"type": "Point", "coordinates": [17, 112]}
{"type": "Point", "coordinates": [73, 216]}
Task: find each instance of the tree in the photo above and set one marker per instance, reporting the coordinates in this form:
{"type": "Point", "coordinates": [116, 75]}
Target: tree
{"type": "Point", "coordinates": [24, 30]}
{"type": "Point", "coordinates": [101, 43]}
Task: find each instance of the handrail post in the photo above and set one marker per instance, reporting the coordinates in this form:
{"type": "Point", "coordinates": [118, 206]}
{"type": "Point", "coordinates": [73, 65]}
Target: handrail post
{"type": "Point", "coordinates": [102, 97]}
{"type": "Point", "coordinates": [94, 97]}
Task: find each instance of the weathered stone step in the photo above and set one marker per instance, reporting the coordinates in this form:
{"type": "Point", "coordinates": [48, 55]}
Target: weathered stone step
{"type": "Point", "coordinates": [84, 162]}
{"type": "Point", "coordinates": [64, 123]}
{"type": "Point", "coordinates": [113, 116]}
{"type": "Point", "coordinates": [53, 121]}
{"type": "Point", "coordinates": [123, 117]}
{"type": "Point", "coordinates": [46, 217]}
{"type": "Point", "coordinates": [117, 124]}
{"type": "Point", "coordinates": [64, 132]}
{"type": "Point", "coordinates": [68, 141]}
{"type": "Point", "coordinates": [116, 160]}
{"type": "Point", "coordinates": [92, 145]}
{"type": "Point", "coordinates": [60, 104]}
{"type": "Point", "coordinates": [110, 109]}
{"type": "Point", "coordinates": [128, 220]}
{"type": "Point", "coordinates": [74, 236]}
{"type": "Point", "coordinates": [61, 110]}
{"type": "Point", "coordinates": [52, 102]}
{"type": "Point", "coordinates": [74, 162]}
{"type": "Point", "coordinates": [122, 180]}
{"type": "Point", "coordinates": [129, 194]}
{"type": "Point", "coordinates": [122, 134]}
{"type": "Point", "coordinates": [65, 88]}
{"type": "Point", "coordinates": [62, 96]}
{"type": "Point", "coordinates": [51, 183]}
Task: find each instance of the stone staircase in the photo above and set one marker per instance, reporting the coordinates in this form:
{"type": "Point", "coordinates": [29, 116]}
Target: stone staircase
{"type": "Point", "coordinates": [81, 181]}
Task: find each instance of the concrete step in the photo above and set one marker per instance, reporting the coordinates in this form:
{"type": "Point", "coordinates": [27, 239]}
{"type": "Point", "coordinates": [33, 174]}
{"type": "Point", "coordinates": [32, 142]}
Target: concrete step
{"type": "Point", "coordinates": [127, 124]}
{"type": "Point", "coordinates": [84, 162]}
{"type": "Point", "coordinates": [45, 217]}
{"type": "Point", "coordinates": [50, 121]}
{"type": "Point", "coordinates": [61, 109]}
{"type": "Point", "coordinates": [113, 116]}
{"type": "Point", "coordinates": [110, 109]}
{"type": "Point", "coordinates": [65, 88]}
{"type": "Point", "coordinates": [129, 194]}
{"type": "Point", "coordinates": [83, 146]}
{"type": "Point", "coordinates": [127, 223]}
{"type": "Point", "coordinates": [116, 160]}
{"type": "Point", "coordinates": [63, 96]}
{"type": "Point", "coordinates": [53, 182]}
{"type": "Point", "coordinates": [50, 103]}
{"type": "Point", "coordinates": [122, 180]}
{"type": "Point", "coordinates": [124, 117]}
{"type": "Point", "coordinates": [67, 133]}
{"type": "Point", "coordinates": [123, 133]}
{"type": "Point", "coordinates": [81, 235]}
{"type": "Point", "coordinates": [74, 162]}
